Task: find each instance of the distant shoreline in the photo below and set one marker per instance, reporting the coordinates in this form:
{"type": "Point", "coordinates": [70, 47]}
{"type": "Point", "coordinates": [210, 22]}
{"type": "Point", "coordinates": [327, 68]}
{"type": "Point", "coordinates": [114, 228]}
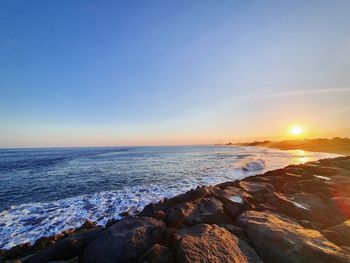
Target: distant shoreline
{"type": "Point", "coordinates": [335, 145]}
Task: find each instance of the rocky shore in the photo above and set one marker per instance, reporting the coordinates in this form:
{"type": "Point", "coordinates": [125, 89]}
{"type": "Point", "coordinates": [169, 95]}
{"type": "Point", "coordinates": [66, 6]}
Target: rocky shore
{"type": "Point", "coordinates": [300, 213]}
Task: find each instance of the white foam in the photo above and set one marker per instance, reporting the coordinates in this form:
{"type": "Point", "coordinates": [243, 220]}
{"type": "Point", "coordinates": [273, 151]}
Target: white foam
{"type": "Point", "coordinates": [253, 163]}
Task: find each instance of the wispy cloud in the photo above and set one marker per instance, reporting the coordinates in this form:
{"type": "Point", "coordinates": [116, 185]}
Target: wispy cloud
{"type": "Point", "coordinates": [304, 92]}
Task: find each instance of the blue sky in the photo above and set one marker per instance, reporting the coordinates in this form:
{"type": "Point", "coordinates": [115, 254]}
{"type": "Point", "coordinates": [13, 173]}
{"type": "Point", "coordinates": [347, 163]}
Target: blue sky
{"type": "Point", "coordinates": [171, 72]}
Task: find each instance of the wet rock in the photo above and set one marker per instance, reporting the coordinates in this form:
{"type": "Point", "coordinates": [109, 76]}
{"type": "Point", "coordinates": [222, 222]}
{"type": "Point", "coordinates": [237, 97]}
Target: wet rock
{"type": "Point", "coordinates": [111, 222]}
{"type": "Point", "coordinates": [66, 248]}
{"type": "Point", "coordinates": [210, 243]}
{"type": "Point", "coordinates": [339, 234]}
{"type": "Point", "coordinates": [17, 251]}
{"type": "Point", "coordinates": [156, 254]}
{"type": "Point", "coordinates": [126, 240]}
{"type": "Point", "coordinates": [44, 242]}
{"type": "Point", "coordinates": [277, 238]}
{"type": "Point", "coordinates": [87, 225]}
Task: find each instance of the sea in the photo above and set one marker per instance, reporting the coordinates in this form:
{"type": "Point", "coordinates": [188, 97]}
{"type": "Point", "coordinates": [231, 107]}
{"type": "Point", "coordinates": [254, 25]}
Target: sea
{"type": "Point", "coordinates": [46, 191]}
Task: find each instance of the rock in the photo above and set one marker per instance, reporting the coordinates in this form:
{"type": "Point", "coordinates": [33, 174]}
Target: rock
{"type": "Point", "coordinates": [235, 199]}
{"type": "Point", "coordinates": [230, 191]}
{"type": "Point", "coordinates": [253, 187]}
{"type": "Point", "coordinates": [190, 196]}
{"type": "Point", "coordinates": [305, 207]}
{"type": "Point", "coordinates": [156, 254]}
{"type": "Point", "coordinates": [277, 238]}
{"type": "Point", "coordinates": [178, 214]}
{"type": "Point", "coordinates": [193, 195]}
{"type": "Point", "coordinates": [312, 186]}
{"type": "Point", "coordinates": [126, 240]}
{"type": "Point", "coordinates": [160, 215]}
{"type": "Point", "coordinates": [235, 230]}
{"type": "Point", "coordinates": [232, 207]}
{"type": "Point", "coordinates": [17, 251]}
{"type": "Point", "coordinates": [342, 204]}
{"type": "Point", "coordinates": [210, 211]}
{"type": "Point", "coordinates": [149, 209]}
{"type": "Point", "coordinates": [125, 214]}
{"type": "Point", "coordinates": [339, 234]}
{"type": "Point", "coordinates": [66, 248]}
{"type": "Point", "coordinates": [211, 243]}
{"type": "Point", "coordinates": [43, 243]}
{"type": "Point", "coordinates": [87, 225]}
{"type": "Point", "coordinates": [317, 210]}
{"type": "Point", "coordinates": [111, 222]}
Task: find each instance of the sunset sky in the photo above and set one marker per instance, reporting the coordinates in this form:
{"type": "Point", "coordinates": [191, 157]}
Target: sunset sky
{"type": "Point", "coordinates": [88, 73]}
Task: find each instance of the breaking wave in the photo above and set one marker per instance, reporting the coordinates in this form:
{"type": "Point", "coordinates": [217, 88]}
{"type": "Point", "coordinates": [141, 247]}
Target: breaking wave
{"type": "Point", "coordinates": [253, 163]}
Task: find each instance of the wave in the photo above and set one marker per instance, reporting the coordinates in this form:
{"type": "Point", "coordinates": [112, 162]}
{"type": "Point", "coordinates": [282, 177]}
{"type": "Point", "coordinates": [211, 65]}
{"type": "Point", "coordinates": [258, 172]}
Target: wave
{"type": "Point", "coordinates": [253, 163]}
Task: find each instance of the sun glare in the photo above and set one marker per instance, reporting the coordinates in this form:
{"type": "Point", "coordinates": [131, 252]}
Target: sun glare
{"type": "Point", "coordinates": [296, 130]}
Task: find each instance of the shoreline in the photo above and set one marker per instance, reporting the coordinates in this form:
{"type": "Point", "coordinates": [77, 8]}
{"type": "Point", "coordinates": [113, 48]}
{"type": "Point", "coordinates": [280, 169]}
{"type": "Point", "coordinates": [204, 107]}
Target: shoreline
{"type": "Point", "coordinates": [52, 217]}
{"type": "Point", "coordinates": [336, 145]}
{"type": "Point", "coordinates": [296, 196]}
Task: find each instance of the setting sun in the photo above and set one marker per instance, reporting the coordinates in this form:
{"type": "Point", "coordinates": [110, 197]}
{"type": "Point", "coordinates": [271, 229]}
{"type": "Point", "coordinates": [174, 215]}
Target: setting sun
{"type": "Point", "coordinates": [296, 130]}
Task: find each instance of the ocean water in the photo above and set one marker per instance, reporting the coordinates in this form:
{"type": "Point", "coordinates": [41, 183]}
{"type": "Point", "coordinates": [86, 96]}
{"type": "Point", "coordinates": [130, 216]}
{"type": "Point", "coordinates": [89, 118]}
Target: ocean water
{"type": "Point", "coordinates": [45, 191]}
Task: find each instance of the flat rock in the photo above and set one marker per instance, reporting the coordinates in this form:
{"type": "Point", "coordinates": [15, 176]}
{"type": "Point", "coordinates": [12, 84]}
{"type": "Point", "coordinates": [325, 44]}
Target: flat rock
{"type": "Point", "coordinates": [277, 238]}
{"type": "Point", "coordinates": [126, 240]}
{"type": "Point", "coordinates": [211, 243]}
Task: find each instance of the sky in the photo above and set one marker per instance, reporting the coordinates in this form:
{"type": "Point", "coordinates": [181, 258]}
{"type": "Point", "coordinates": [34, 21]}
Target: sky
{"type": "Point", "coordinates": [104, 73]}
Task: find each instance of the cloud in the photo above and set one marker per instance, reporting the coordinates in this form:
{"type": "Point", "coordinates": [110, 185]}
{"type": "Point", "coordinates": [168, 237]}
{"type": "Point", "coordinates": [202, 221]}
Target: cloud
{"type": "Point", "coordinates": [304, 92]}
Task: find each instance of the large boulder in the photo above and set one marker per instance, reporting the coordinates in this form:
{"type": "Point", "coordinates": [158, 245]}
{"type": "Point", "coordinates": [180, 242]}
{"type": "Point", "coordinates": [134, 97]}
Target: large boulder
{"type": "Point", "coordinates": [125, 241]}
{"type": "Point", "coordinates": [211, 243]}
{"type": "Point", "coordinates": [277, 238]}
{"type": "Point", "coordinates": [66, 248]}
{"type": "Point", "coordinates": [306, 208]}
{"type": "Point", "coordinates": [317, 209]}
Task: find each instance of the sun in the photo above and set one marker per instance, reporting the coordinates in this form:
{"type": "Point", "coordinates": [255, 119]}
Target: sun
{"type": "Point", "coordinates": [297, 130]}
